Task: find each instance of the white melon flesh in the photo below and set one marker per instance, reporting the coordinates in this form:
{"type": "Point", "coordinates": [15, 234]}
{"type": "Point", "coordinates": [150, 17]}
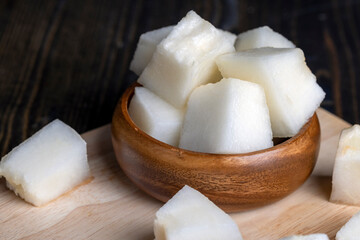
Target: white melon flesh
{"type": "Point", "coordinates": [261, 37]}
{"type": "Point", "coordinates": [185, 59]}
{"type": "Point", "coordinates": [346, 173]}
{"type": "Point", "coordinates": [190, 215]}
{"type": "Point", "coordinates": [351, 230]}
{"type": "Point", "coordinates": [148, 42]}
{"type": "Point", "coordinates": [146, 48]}
{"type": "Point", "coordinates": [230, 116]}
{"type": "Point", "coordinates": [48, 164]}
{"type": "Point", "coordinates": [316, 236]}
{"type": "Point", "coordinates": [231, 37]}
{"type": "Point", "coordinates": [291, 90]}
{"type": "Point", "coordinates": [155, 116]}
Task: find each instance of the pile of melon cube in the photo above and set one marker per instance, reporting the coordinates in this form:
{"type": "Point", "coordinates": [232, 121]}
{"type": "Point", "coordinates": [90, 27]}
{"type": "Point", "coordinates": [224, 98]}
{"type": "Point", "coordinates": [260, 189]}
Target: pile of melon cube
{"type": "Point", "coordinates": [208, 90]}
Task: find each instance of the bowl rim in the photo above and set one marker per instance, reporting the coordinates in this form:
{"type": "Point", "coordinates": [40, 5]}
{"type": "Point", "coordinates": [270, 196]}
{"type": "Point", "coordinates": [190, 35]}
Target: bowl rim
{"type": "Point", "coordinates": [124, 105]}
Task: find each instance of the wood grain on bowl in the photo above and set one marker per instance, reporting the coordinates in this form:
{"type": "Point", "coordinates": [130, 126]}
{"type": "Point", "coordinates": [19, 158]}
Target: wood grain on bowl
{"type": "Point", "coordinates": [233, 181]}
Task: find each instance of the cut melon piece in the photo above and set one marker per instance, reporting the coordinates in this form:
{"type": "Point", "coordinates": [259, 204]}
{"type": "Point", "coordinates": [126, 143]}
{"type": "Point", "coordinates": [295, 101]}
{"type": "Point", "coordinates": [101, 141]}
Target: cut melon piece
{"type": "Point", "coordinates": [155, 116]}
{"type": "Point", "coordinates": [316, 236]}
{"type": "Point", "coordinates": [351, 230]}
{"type": "Point", "coordinates": [346, 173]}
{"type": "Point", "coordinates": [291, 90]}
{"type": "Point", "coordinates": [230, 116]}
{"type": "Point", "coordinates": [261, 37]}
{"type": "Point", "coordinates": [48, 164]}
{"type": "Point", "coordinates": [190, 215]}
{"type": "Point", "coordinates": [146, 48]}
{"type": "Point", "coordinates": [185, 59]}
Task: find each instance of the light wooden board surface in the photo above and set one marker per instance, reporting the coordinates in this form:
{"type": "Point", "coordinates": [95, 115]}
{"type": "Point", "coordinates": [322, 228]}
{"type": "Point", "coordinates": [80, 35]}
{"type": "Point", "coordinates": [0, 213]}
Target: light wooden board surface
{"type": "Point", "coordinates": [111, 207]}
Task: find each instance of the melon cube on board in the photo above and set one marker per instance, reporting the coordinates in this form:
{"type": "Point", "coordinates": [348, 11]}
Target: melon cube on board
{"type": "Point", "coordinates": [351, 230]}
{"type": "Point", "coordinates": [146, 48]}
{"type": "Point", "coordinates": [190, 215]}
{"type": "Point", "coordinates": [292, 93]}
{"type": "Point", "coordinates": [230, 116]}
{"type": "Point", "coordinates": [155, 116]}
{"type": "Point", "coordinates": [46, 165]}
{"type": "Point", "coordinates": [316, 236]}
{"type": "Point", "coordinates": [261, 37]}
{"type": "Point", "coordinates": [185, 59]}
{"type": "Point", "coordinates": [346, 173]}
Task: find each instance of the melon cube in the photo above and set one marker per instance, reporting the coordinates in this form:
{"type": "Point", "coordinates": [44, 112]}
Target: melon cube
{"type": "Point", "coordinates": [190, 215]}
{"type": "Point", "coordinates": [185, 59]}
{"type": "Point", "coordinates": [146, 48]}
{"type": "Point", "coordinates": [46, 165]}
{"type": "Point", "coordinates": [230, 116]}
{"type": "Point", "coordinates": [261, 37]}
{"type": "Point", "coordinates": [155, 116]}
{"type": "Point", "coordinates": [351, 230]}
{"type": "Point", "coordinates": [346, 173]}
{"type": "Point", "coordinates": [291, 90]}
{"type": "Point", "coordinates": [316, 236]}
{"type": "Point", "coordinates": [148, 42]}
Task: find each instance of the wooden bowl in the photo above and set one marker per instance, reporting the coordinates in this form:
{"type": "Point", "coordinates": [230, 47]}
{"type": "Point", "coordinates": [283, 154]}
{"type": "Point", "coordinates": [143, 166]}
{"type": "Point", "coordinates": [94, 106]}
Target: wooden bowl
{"type": "Point", "coordinates": [234, 182]}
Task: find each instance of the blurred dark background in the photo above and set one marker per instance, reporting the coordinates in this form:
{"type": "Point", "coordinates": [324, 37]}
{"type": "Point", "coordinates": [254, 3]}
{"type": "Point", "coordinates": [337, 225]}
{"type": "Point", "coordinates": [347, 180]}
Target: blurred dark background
{"type": "Point", "coordinates": [69, 59]}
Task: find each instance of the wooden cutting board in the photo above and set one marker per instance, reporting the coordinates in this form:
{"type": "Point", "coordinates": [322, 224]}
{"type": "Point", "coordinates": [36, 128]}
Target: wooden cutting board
{"type": "Point", "coordinates": [111, 207]}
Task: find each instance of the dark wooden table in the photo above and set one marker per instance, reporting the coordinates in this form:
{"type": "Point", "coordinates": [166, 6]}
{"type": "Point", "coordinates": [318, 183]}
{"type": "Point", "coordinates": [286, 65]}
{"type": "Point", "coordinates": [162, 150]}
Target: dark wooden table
{"type": "Point", "coordinates": [69, 59]}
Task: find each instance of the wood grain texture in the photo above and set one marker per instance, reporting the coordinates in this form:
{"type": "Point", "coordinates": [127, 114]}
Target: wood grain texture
{"type": "Point", "coordinates": [69, 59]}
{"type": "Point", "coordinates": [232, 181]}
{"type": "Point", "coordinates": [111, 207]}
